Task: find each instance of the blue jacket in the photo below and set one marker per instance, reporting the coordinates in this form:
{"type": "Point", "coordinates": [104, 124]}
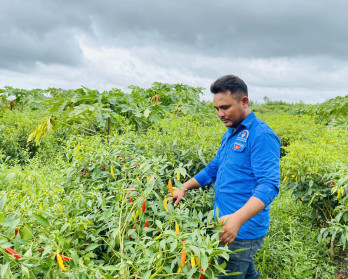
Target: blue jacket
{"type": "Point", "coordinates": [246, 165]}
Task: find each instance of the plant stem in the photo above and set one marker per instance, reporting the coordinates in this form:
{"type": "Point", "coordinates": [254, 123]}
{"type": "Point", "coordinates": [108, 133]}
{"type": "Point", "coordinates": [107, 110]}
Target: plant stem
{"type": "Point", "coordinates": [90, 123]}
{"type": "Point", "coordinates": [108, 129]}
{"type": "Point", "coordinates": [332, 249]}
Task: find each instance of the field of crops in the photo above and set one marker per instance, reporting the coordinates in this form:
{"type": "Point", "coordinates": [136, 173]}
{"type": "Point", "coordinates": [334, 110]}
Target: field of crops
{"type": "Point", "coordinates": [84, 175]}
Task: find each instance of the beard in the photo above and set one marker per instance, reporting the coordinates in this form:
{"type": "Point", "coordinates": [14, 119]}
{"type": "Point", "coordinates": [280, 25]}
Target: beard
{"type": "Point", "coordinates": [234, 124]}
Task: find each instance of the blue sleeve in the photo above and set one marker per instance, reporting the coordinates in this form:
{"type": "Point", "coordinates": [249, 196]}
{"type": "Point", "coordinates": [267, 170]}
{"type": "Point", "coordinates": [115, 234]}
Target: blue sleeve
{"type": "Point", "coordinates": [208, 174]}
{"type": "Point", "coordinates": [265, 162]}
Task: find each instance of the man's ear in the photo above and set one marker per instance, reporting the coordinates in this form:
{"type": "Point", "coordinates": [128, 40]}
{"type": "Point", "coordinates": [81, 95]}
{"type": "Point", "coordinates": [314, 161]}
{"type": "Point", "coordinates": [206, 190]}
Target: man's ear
{"type": "Point", "coordinates": [245, 101]}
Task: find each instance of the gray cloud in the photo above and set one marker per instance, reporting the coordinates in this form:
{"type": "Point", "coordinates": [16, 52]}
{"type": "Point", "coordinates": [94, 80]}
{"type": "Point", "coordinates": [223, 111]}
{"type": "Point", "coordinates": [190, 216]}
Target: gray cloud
{"type": "Point", "coordinates": [229, 28]}
{"type": "Point", "coordinates": [284, 49]}
{"type": "Point", "coordinates": [222, 28]}
{"type": "Point", "coordinates": [40, 32]}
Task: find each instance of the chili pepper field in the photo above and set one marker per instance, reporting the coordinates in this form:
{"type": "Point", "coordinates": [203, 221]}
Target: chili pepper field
{"type": "Point", "coordinates": [85, 177]}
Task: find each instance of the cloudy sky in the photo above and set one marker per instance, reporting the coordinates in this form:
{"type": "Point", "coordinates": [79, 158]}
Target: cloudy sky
{"type": "Point", "coordinates": [288, 50]}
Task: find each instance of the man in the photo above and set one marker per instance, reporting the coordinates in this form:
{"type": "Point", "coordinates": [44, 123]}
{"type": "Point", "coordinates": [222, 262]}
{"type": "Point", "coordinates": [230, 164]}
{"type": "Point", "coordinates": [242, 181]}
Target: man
{"type": "Point", "coordinates": [246, 173]}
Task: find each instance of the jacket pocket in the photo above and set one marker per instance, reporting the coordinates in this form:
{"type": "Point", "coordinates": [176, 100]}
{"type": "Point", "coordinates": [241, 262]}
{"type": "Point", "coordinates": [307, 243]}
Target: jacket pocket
{"type": "Point", "coordinates": [238, 154]}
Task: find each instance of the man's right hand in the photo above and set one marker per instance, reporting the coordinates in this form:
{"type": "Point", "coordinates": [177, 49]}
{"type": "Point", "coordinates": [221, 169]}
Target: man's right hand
{"type": "Point", "coordinates": [178, 195]}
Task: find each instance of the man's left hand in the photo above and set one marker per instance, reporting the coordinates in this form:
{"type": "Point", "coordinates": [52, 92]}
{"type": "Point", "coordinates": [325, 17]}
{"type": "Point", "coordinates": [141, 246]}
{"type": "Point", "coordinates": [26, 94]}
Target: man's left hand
{"type": "Point", "coordinates": [231, 228]}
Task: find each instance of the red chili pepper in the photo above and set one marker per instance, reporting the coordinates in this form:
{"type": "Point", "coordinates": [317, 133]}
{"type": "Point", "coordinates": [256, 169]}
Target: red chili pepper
{"type": "Point", "coordinates": [63, 257]}
{"type": "Point", "coordinates": [17, 231]}
{"type": "Point", "coordinates": [332, 183]}
{"type": "Point", "coordinates": [143, 206]}
{"type": "Point", "coordinates": [129, 193]}
{"type": "Point", "coordinates": [202, 275]}
{"type": "Point", "coordinates": [13, 252]}
{"type": "Point", "coordinates": [146, 224]}
{"type": "Point", "coordinates": [40, 250]}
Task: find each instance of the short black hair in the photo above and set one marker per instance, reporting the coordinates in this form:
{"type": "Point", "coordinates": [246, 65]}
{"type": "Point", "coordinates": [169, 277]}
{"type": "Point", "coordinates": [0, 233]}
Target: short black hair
{"type": "Point", "coordinates": [229, 82]}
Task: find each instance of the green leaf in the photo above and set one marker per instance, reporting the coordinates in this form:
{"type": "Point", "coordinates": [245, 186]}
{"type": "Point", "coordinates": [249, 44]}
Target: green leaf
{"type": "Point", "coordinates": [147, 113]}
{"type": "Point", "coordinates": [25, 271]}
{"type": "Point", "coordinates": [159, 224]}
{"type": "Point", "coordinates": [239, 250]}
{"type": "Point", "coordinates": [4, 269]}
{"type": "Point", "coordinates": [110, 267]}
{"type": "Point", "coordinates": [6, 245]}
{"type": "Point", "coordinates": [163, 244]}
{"type": "Point", "coordinates": [11, 223]}
{"type": "Point", "coordinates": [200, 216]}
{"type": "Point", "coordinates": [220, 267]}
{"type": "Point", "coordinates": [2, 202]}
{"type": "Point", "coordinates": [92, 247]}
{"type": "Point", "coordinates": [183, 172]}
{"type": "Point", "coordinates": [191, 272]}
{"type": "Point", "coordinates": [345, 216]}
{"type": "Point", "coordinates": [234, 273]}
{"type": "Point", "coordinates": [147, 275]}
{"type": "Point", "coordinates": [178, 184]}
{"type": "Point", "coordinates": [28, 253]}
{"type": "Point", "coordinates": [74, 257]}
{"type": "Point", "coordinates": [42, 220]}
{"type": "Point", "coordinates": [149, 187]}
{"type": "Point", "coordinates": [195, 250]}
{"type": "Point", "coordinates": [169, 233]}
{"type": "Point", "coordinates": [150, 243]}
{"type": "Point", "coordinates": [26, 232]}
{"type": "Point", "coordinates": [81, 109]}
{"type": "Point", "coordinates": [64, 227]}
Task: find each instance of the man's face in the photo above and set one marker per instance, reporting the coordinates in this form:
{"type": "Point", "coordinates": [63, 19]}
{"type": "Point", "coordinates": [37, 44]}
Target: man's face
{"type": "Point", "coordinates": [231, 109]}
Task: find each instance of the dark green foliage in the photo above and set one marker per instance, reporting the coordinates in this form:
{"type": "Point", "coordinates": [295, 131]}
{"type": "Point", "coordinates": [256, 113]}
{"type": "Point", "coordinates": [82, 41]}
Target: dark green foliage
{"type": "Point", "coordinates": [63, 196]}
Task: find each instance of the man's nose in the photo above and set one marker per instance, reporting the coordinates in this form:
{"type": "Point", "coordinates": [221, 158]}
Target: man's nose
{"type": "Point", "coordinates": [220, 113]}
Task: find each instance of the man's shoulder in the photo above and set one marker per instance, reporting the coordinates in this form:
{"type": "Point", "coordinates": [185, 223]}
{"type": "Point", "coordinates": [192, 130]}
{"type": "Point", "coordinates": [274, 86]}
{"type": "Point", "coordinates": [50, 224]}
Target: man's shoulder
{"type": "Point", "coordinates": [260, 128]}
{"type": "Point", "coordinates": [260, 124]}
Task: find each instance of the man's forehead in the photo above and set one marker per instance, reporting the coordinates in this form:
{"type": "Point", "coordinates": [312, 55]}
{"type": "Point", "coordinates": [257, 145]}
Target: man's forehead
{"type": "Point", "coordinates": [225, 97]}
